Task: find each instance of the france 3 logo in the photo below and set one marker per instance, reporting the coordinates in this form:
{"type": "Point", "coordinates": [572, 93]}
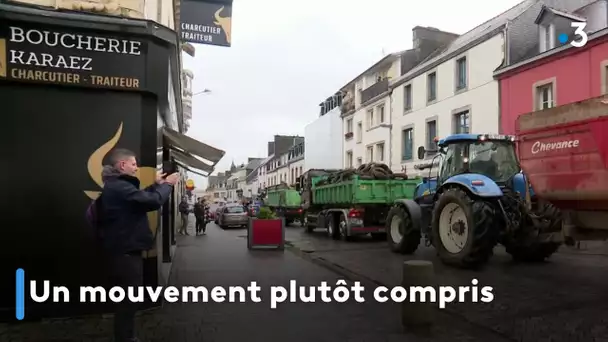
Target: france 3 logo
{"type": "Point", "coordinates": [579, 38]}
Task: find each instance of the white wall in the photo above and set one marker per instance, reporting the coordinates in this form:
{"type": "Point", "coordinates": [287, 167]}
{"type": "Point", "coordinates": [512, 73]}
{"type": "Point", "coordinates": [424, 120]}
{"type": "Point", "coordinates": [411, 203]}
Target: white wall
{"type": "Point", "coordinates": [323, 142]}
{"type": "Point", "coordinates": [261, 182]}
{"type": "Point", "coordinates": [481, 98]}
{"type": "Point", "coordinates": [370, 135]}
{"type": "Point", "coordinates": [295, 170]}
{"type": "Point", "coordinates": [282, 171]}
{"type": "Point", "coordinates": [272, 178]}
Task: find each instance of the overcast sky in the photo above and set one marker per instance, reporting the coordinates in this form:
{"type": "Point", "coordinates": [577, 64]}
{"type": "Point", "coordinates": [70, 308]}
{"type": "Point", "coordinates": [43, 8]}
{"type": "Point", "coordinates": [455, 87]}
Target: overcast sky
{"type": "Point", "coordinates": [289, 55]}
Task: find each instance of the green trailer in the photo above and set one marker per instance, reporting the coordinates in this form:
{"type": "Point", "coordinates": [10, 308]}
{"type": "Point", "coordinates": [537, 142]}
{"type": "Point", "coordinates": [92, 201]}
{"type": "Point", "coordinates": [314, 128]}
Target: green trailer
{"type": "Point", "coordinates": [352, 203]}
{"type": "Point", "coordinates": [357, 191]}
{"type": "Point", "coordinates": [286, 202]}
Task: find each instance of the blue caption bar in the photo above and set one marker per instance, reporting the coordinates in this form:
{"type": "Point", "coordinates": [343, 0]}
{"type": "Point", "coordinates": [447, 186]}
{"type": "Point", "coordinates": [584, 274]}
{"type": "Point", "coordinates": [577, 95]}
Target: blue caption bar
{"type": "Point", "coordinates": [20, 295]}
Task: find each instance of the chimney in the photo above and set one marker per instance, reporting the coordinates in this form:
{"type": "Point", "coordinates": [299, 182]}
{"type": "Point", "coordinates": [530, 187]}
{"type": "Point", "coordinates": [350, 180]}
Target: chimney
{"type": "Point", "coordinates": [270, 148]}
{"type": "Point", "coordinates": [429, 39]}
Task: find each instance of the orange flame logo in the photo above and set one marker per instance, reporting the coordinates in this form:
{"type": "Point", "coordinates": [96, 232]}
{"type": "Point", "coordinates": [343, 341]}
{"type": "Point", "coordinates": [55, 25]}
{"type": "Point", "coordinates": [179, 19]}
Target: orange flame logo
{"type": "Point", "coordinates": [3, 66]}
{"type": "Point", "coordinates": [224, 22]}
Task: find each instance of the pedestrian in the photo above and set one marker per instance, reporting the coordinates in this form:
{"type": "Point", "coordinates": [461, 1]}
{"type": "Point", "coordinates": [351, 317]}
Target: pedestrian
{"type": "Point", "coordinates": [124, 229]}
{"type": "Point", "coordinates": [199, 214]}
{"type": "Point", "coordinates": [184, 210]}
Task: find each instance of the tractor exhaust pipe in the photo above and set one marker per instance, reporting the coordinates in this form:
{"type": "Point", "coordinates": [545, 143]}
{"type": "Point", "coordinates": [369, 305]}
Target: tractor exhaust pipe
{"type": "Point", "coordinates": [528, 197]}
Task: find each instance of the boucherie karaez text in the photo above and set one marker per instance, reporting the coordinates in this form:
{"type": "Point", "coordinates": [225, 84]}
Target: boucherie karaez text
{"type": "Point", "coordinates": [69, 41]}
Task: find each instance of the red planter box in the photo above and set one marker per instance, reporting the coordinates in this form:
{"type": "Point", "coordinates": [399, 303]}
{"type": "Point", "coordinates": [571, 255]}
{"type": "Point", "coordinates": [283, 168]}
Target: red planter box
{"type": "Point", "coordinates": [266, 233]}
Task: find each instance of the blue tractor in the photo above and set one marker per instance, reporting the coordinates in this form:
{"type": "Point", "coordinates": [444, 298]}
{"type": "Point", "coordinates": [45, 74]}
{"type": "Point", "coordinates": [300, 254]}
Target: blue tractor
{"type": "Point", "coordinates": [475, 197]}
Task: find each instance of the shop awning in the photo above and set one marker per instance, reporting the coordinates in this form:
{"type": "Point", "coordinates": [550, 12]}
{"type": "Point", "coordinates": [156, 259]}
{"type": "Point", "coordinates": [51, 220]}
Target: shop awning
{"type": "Point", "coordinates": [187, 149]}
{"type": "Point", "coordinates": [198, 172]}
{"type": "Point", "coordinates": [188, 161]}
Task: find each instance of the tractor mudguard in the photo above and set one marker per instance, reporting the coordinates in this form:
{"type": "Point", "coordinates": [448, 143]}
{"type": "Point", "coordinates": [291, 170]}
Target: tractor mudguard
{"type": "Point", "coordinates": [426, 187]}
{"type": "Point", "coordinates": [519, 185]}
{"type": "Point", "coordinates": [477, 184]}
{"type": "Point", "coordinates": [413, 209]}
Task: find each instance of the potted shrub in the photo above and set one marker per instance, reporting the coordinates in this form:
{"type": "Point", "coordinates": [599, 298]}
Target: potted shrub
{"type": "Point", "coordinates": [266, 230]}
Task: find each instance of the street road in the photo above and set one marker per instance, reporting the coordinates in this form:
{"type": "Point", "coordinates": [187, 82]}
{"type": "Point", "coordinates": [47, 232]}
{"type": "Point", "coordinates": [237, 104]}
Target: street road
{"type": "Point", "coordinates": [564, 299]}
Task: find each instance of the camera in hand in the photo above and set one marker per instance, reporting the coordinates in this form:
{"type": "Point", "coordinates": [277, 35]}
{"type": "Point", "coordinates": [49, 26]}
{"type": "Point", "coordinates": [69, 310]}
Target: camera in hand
{"type": "Point", "coordinates": [169, 167]}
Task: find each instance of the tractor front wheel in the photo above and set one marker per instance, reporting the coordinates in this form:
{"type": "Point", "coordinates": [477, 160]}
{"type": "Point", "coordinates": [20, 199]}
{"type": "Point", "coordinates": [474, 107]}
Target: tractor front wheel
{"type": "Point", "coordinates": [462, 230]}
{"type": "Point", "coordinates": [527, 245]}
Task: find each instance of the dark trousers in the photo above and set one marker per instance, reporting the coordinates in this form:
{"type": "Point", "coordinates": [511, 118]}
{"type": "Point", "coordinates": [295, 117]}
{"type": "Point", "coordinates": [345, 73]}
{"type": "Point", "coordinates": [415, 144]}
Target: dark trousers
{"type": "Point", "coordinates": [127, 270]}
{"type": "Point", "coordinates": [200, 224]}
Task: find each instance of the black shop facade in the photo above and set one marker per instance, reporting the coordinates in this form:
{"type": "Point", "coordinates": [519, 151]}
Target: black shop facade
{"type": "Point", "coordinates": [73, 87]}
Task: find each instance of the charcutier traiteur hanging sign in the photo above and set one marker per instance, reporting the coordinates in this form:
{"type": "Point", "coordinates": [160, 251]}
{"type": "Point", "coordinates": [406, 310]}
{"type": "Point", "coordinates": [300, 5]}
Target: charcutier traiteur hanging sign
{"type": "Point", "coordinates": [205, 22]}
{"type": "Point", "coordinates": [60, 56]}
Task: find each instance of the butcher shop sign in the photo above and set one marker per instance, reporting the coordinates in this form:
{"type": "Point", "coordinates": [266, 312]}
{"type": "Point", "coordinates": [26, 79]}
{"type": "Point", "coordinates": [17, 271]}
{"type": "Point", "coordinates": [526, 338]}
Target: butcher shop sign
{"type": "Point", "coordinates": [53, 56]}
{"type": "Point", "coordinates": [206, 22]}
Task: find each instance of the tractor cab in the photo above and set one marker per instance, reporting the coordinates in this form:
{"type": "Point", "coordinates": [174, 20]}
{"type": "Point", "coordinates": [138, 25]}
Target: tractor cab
{"type": "Point", "coordinates": [490, 156]}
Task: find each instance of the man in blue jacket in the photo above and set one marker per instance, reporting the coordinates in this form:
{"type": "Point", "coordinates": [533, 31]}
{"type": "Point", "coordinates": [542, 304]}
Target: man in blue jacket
{"type": "Point", "coordinates": [124, 229]}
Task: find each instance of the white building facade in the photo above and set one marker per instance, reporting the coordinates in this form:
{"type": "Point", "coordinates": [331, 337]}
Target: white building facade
{"type": "Point", "coordinates": [449, 94]}
{"type": "Point", "coordinates": [235, 183]}
{"type": "Point", "coordinates": [295, 163]}
{"type": "Point", "coordinates": [324, 137]}
{"type": "Point", "coordinates": [366, 115]}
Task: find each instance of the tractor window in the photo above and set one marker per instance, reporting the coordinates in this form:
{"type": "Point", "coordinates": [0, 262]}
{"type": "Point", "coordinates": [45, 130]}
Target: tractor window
{"type": "Point", "coordinates": [453, 161]}
{"type": "Point", "coordinates": [496, 160]}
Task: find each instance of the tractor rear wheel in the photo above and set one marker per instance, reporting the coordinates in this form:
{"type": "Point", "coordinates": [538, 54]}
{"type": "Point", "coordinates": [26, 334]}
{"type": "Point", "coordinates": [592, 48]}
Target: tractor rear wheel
{"type": "Point", "coordinates": [401, 236]}
{"type": "Point", "coordinates": [462, 230]}
{"type": "Point", "coordinates": [528, 247]}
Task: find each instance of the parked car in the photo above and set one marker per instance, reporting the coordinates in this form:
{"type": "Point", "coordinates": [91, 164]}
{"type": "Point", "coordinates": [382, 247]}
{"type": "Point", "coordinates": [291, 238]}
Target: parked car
{"type": "Point", "coordinates": [233, 215]}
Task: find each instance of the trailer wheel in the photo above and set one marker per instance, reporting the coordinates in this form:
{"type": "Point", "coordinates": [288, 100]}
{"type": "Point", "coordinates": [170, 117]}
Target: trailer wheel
{"type": "Point", "coordinates": [401, 236]}
{"type": "Point", "coordinates": [332, 229]}
{"type": "Point", "coordinates": [462, 229]}
{"type": "Point", "coordinates": [529, 248]}
{"type": "Point", "coordinates": [309, 227]}
{"type": "Point", "coordinates": [343, 229]}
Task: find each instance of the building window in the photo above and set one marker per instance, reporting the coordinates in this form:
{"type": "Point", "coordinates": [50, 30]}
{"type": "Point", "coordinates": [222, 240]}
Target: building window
{"type": "Point", "coordinates": [380, 114]}
{"type": "Point", "coordinates": [547, 37]}
{"type": "Point", "coordinates": [544, 96]}
{"type": "Point", "coordinates": [431, 134]}
{"type": "Point", "coordinates": [359, 162]}
{"type": "Point", "coordinates": [461, 73]}
{"type": "Point", "coordinates": [407, 97]}
{"type": "Point", "coordinates": [370, 154]}
{"type": "Point", "coordinates": [431, 81]}
{"type": "Point", "coordinates": [293, 176]}
{"type": "Point", "coordinates": [461, 122]}
{"type": "Point", "coordinates": [349, 159]}
{"type": "Point", "coordinates": [349, 126]}
{"type": "Point", "coordinates": [380, 152]}
{"type": "Point", "coordinates": [370, 118]}
{"type": "Point", "coordinates": [359, 131]}
{"type": "Point", "coordinates": [300, 170]}
{"type": "Point", "coordinates": [407, 144]}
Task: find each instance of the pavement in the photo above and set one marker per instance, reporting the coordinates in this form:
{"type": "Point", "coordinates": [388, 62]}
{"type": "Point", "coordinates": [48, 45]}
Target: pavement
{"type": "Point", "coordinates": [563, 299]}
{"type": "Point", "coordinates": [221, 258]}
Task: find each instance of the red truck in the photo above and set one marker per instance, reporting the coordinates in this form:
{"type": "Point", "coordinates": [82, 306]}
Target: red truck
{"type": "Point", "coordinates": [564, 153]}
